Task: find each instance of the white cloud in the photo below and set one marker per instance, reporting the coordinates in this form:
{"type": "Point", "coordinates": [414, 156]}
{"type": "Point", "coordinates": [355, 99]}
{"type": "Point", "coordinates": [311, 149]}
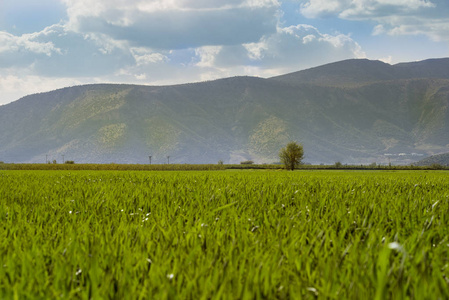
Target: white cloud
{"type": "Point", "coordinates": [321, 8]}
{"type": "Point", "coordinates": [308, 38]}
{"type": "Point", "coordinates": [175, 24]}
{"type": "Point", "coordinates": [13, 87]}
{"type": "Point", "coordinates": [394, 17]}
{"type": "Point", "coordinates": [382, 8]}
{"type": "Point", "coordinates": [378, 30]}
{"type": "Point", "coordinates": [289, 49]}
{"type": "Point", "coordinates": [141, 76]}
{"type": "Point", "coordinates": [53, 58]}
{"type": "Point", "coordinates": [144, 56]}
{"type": "Point", "coordinates": [303, 46]}
{"type": "Point", "coordinates": [207, 55]}
{"type": "Point", "coordinates": [162, 42]}
{"type": "Point", "coordinates": [59, 52]}
{"type": "Point", "coordinates": [387, 60]}
{"type": "Point", "coordinates": [356, 9]}
{"type": "Point", "coordinates": [26, 42]}
{"type": "Point", "coordinates": [436, 31]}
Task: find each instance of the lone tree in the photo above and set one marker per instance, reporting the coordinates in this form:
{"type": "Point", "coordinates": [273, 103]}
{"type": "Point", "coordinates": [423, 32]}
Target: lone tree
{"type": "Point", "coordinates": [291, 155]}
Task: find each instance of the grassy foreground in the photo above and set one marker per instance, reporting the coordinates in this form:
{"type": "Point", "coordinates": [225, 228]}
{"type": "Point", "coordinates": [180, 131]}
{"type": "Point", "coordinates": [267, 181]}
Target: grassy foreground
{"type": "Point", "coordinates": [224, 235]}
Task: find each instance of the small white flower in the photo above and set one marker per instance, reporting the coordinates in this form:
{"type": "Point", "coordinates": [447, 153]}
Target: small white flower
{"type": "Point", "coordinates": [313, 290]}
{"type": "Point", "coordinates": [70, 212]}
{"type": "Point", "coordinates": [170, 276]}
{"type": "Point", "coordinates": [395, 246]}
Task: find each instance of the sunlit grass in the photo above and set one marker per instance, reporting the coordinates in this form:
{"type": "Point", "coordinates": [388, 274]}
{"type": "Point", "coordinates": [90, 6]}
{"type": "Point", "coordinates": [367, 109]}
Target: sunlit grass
{"type": "Point", "coordinates": [224, 234]}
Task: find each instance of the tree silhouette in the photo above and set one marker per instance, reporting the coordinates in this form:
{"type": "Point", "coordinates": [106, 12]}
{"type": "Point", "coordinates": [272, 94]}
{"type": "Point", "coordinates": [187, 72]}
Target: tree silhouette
{"type": "Point", "coordinates": [291, 155]}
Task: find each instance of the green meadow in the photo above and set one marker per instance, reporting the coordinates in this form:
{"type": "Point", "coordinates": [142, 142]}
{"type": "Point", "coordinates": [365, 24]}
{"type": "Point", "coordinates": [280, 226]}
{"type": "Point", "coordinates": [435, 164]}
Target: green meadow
{"type": "Point", "coordinates": [230, 234]}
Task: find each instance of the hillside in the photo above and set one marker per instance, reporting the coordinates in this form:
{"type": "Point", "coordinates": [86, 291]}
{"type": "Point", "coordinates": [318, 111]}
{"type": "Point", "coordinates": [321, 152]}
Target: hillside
{"type": "Point", "coordinates": [354, 111]}
{"type": "Point", "coordinates": [439, 159]}
{"type": "Point", "coordinates": [354, 72]}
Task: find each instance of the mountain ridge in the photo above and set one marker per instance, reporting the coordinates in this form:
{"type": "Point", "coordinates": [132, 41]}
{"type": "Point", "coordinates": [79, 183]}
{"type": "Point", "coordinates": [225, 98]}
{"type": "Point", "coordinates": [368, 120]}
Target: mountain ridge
{"type": "Point", "coordinates": [371, 112]}
{"type": "Point", "coordinates": [366, 71]}
{"type": "Point", "coordinates": [435, 160]}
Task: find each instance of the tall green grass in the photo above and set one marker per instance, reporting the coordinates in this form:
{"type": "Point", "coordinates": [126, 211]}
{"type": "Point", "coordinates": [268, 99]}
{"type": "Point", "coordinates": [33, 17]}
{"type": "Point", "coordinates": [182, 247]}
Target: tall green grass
{"type": "Point", "coordinates": [224, 235]}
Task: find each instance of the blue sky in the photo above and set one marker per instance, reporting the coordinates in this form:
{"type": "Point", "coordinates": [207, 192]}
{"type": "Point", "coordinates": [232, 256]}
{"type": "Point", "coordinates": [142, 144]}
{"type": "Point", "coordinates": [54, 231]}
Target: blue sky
{"type": "Point", "coordinates": [51, 44]}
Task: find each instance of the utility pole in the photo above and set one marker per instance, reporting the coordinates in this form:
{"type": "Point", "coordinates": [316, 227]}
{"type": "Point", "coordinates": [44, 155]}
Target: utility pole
{"type": "Point", "coordinates": [149, 158]}
{"type": "Point", "coordinates": [168, 159]}
{"type": "Point", "coordinates": [63, 161]}
{"type": "Point", "coordinates": [46, 158]}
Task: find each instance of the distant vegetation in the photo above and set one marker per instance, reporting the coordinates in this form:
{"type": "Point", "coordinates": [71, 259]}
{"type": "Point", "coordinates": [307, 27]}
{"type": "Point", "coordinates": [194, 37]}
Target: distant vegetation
{"type": "Point", "coordinates": [205, 167]}
{"type": "Point", "coordinates": [117, 167]}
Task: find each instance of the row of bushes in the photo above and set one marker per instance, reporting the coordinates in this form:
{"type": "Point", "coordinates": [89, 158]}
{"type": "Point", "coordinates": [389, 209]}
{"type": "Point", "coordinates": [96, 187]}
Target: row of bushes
{"type": "Point", "coordinates": [119, 167]}
{"type": "Point", "coordinates": [205, 167]}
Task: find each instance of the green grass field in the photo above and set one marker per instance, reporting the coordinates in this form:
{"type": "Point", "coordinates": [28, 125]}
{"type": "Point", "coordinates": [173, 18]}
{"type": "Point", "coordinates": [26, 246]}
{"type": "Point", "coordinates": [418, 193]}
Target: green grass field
{"type": "Point", "coordinates": [224, 234]}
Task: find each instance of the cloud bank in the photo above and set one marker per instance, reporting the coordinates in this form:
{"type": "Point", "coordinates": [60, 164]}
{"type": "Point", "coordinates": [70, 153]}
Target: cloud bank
{"type": "Point", "coordinates": [176, 41]}
{"type": "Point", "coordinates": [394, 17]}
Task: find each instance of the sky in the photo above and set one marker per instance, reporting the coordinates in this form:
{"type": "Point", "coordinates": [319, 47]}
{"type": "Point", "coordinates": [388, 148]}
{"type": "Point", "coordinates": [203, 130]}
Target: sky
{"type": "Point", "coordinates": [51, 44]}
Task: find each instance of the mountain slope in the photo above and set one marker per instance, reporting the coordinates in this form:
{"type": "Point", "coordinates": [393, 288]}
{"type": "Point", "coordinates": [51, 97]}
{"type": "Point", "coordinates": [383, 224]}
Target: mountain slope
{"type": "Point", "coordinates": [355, 111]}
{"type": "Point", "coordinates": [439, 159]}
{"type": "Point", "coordinates": [354, 72]}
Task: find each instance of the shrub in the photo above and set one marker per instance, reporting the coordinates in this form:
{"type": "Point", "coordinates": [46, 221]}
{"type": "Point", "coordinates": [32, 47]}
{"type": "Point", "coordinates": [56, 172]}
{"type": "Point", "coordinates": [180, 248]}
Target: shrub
{"type": "Point", "coordinates": [436, 166]}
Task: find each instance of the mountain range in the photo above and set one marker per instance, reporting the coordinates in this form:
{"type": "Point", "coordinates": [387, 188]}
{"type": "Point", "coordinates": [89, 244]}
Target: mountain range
{"type": "Point", "coordinates": [354, 111]}
{"type": "Point", "coordinates": [439, 159]}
